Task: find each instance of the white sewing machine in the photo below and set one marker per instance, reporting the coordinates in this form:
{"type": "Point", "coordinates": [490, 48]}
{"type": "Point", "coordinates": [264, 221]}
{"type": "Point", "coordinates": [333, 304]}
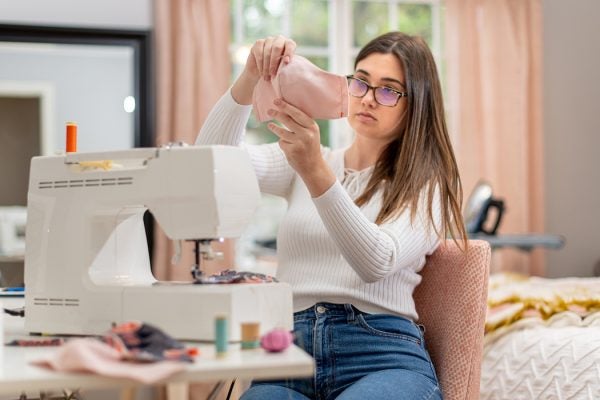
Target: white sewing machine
{"type": "Point", "coordinates": [86, 259]}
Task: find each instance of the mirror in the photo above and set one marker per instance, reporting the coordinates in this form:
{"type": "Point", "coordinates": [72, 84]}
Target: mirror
{"type": "Point", "coordinates": [98, 78]}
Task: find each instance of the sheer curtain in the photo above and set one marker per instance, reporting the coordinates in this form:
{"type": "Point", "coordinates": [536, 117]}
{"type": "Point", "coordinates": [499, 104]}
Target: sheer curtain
{"type": "Point", "coordinates": [193, 71]}
{"type": "Point", "coordinates": [494, 94]}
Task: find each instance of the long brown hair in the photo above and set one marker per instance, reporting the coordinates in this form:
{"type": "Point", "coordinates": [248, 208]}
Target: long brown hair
{"type": "Point", "coordinates": [422, 155]}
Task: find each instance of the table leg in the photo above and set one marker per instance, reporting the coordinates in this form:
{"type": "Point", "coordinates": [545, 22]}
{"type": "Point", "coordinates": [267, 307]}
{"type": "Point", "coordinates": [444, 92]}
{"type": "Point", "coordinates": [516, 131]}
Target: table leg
{"type": "Point", "coordinates": [128, 393]}
{"type": "Point", "coordinates": [177, 391]}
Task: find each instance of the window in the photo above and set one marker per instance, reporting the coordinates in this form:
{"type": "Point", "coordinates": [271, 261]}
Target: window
{"type": "Point", "coordinates": [329, 33]}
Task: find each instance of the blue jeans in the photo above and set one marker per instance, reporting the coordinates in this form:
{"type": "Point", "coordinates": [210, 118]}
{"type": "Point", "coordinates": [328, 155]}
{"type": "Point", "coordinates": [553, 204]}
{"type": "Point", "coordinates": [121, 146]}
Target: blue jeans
{"type": "Point", "coordinates": [357, 356]}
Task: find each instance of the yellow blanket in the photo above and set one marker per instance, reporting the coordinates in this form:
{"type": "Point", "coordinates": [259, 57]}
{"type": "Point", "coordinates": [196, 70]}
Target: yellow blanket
{"type": "Point", "coordinates": [512, 298]}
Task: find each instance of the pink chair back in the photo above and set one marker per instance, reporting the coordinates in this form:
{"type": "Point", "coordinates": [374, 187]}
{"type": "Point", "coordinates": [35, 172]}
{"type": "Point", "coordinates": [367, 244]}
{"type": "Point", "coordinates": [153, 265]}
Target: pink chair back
{"type": "Point", "coordinates": [451, 302]}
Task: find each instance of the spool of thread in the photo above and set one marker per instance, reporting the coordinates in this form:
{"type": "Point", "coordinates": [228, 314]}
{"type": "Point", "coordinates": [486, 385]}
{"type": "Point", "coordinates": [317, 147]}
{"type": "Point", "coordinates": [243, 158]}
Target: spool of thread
{"type": "Point", "coordinates": [71, 139]}
{"type": "Point", "coordinates": [221, 335]}
{"type": "Point", "coordinates": [250, 335]}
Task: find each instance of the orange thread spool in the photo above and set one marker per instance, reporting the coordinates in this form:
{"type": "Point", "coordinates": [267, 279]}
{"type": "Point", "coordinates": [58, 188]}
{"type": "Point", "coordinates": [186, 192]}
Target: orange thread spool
{"type": "Point", "coordinates": [71, 137]}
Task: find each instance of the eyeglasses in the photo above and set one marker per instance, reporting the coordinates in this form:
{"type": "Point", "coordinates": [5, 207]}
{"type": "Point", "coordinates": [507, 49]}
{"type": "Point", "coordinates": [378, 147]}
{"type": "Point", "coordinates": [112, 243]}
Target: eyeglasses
{"type": "Point", "coordinates": [386, 96]}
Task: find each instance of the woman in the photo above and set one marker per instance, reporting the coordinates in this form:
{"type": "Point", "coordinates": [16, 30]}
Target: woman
{"type": "Point", "coordinates": [360, 220]}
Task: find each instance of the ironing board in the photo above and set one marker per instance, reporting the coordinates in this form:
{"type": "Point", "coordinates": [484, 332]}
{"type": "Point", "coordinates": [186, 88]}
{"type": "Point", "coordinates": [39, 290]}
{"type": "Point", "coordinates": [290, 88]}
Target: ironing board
{"type": "Point", "coordinates": [525, 242]}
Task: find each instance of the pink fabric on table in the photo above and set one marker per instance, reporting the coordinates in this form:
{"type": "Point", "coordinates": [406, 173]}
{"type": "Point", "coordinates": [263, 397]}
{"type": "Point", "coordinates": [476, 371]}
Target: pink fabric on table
{"type": "Point", "coordinates": [451, 303]}
{"type": "Point", "coordinates": [91, 355]}
{"type": "Point", "coordinates": [320, 94]}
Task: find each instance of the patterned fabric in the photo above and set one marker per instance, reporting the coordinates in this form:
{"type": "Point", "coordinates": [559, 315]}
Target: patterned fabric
{"type": "Point", "coordinates": [451, 303]}
{"type": "Point", "coordinates": [513, 298]}
{"type": "Point", "coordinates": [132, 350]}
{"type": "Point", "coordinates": [140, 342]}
{"type": "Point", "coordinates": [542, 339]}
{"type": "Point", "coordinates": [545, 362]}
{"type": "Point", "coordinates": [233, 276]}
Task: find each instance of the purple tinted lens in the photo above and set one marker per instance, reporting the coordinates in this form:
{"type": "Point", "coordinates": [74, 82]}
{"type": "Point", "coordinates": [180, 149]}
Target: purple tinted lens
{"type": "Point", "coordinates": [386, 96]}
{"type": "Point", "coordinates": [356, 87]}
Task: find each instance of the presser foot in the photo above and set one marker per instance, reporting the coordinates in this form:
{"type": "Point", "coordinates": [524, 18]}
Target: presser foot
{"type": "Point", "coordinates": [197, 273]}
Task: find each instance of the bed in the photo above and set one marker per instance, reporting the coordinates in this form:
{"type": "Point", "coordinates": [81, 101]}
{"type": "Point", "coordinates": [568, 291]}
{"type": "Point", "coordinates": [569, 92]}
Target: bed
{"type": "Point", "coordinates": [542, 339]}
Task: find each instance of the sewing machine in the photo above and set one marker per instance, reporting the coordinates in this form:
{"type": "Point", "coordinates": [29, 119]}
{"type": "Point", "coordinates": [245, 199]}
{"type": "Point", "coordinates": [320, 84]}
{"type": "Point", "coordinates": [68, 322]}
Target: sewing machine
{"type": "Point", "coordinates": [86, 258]}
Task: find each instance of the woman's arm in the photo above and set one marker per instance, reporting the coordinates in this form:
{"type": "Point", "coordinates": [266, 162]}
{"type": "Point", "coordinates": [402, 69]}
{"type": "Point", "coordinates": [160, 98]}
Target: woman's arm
{"type": "Point", "coordinates": [225, 124]}
{"type": "Point", "coordinates": [227, 120]}
{"type": "Point", "coordinates": [375, 251]}
{"type": "Point", "coordinates": [300, 141]}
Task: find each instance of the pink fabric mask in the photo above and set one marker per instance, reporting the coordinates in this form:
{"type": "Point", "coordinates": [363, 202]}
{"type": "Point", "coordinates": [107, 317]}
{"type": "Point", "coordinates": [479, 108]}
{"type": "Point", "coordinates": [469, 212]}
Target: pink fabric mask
{"type": "Point", "coordinates": [320, 94]}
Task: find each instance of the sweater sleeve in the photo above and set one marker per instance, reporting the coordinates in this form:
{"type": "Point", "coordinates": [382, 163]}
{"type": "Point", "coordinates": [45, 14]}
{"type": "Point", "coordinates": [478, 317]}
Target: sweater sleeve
{"type": "Point", "coordinates": [375, 251]}
{"type": "Point", "coordinates": [225, 125]}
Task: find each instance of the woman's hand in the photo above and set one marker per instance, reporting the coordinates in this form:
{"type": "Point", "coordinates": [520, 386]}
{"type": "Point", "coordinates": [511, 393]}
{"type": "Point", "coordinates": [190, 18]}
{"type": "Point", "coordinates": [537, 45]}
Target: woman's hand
{"type": "Point", "coordinates": [300, 140]}
{"type": "Point", "coordinates": [266, 55]}
{"type": "Point", "coordinates": [263, 62]}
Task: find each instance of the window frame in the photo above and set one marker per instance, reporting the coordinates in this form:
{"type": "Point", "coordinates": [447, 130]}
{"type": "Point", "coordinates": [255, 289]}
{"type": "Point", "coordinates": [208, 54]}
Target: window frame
{"type": "Point", "coordinates": [340, 51]}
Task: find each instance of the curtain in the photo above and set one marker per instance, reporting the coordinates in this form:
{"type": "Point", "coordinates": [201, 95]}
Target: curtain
{"type": "Point", "coordinates": [494, 99]}
{"type": "Point", "coordinates": [193, 71]}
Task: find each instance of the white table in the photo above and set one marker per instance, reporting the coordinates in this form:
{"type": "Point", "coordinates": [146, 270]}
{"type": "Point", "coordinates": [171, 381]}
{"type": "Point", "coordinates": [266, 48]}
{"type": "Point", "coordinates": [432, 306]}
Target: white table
{"type": "Point", "coordinates": [18, 374]}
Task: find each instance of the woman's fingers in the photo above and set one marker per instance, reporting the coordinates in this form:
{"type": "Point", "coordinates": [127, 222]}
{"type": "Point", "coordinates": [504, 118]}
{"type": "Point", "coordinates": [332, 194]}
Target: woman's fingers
{"type": "Point", "coordinates": [299, 138]}
{"type": "Point", "coordinates": [281, 50]}
{"type": "Point", "coordinates": [287, 49]}
{"type": "Point", "coordinates": [282, 133]}
{"type": "Point", "coordinates": [271, 62]}
{"type": "Point", "coordinates": [258, 51]}
{"type": "Point", "coordinates": [286, 120]}
{"type": "Point", "coordinates": [297, 115]}
{"type": "Point", "coordinates": [270, 52]}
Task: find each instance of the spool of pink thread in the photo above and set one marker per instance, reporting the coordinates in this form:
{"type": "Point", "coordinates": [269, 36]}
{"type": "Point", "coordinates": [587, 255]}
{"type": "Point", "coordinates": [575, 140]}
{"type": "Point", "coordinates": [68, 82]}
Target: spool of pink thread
{"type": "Point", "coordinates": [276, 340]}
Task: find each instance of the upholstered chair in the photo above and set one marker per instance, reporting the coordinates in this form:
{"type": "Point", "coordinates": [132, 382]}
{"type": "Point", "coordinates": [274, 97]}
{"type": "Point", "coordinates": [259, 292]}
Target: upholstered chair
{"type": "Point", "coordinates": [451, 302]}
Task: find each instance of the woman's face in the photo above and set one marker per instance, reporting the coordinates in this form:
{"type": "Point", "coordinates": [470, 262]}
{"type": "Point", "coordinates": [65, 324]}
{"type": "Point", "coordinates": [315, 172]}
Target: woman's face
{"type": "Point", "coordinates": [369, 119]}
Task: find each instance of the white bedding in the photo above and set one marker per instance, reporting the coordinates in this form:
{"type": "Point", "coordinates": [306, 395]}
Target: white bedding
{"type": "Point", "coordinates": [543, 363]}
{"type": "Point", "coordinates": [538, 358]}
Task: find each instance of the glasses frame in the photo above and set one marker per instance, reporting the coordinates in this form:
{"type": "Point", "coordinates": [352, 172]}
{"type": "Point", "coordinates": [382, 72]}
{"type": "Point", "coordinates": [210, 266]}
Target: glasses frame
{"type": "Point", "coordinates": [374, 88]}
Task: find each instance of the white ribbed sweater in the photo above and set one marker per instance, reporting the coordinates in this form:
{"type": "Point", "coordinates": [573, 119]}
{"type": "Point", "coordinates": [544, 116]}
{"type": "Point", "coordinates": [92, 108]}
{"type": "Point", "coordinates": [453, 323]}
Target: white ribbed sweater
{"type": "Point", "coordinates": [329, 249]}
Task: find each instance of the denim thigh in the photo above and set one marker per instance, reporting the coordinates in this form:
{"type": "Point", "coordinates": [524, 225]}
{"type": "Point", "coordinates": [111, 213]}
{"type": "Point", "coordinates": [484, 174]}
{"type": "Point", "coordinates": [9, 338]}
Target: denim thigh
{"type": "Point", "coordinates": [349, 345]}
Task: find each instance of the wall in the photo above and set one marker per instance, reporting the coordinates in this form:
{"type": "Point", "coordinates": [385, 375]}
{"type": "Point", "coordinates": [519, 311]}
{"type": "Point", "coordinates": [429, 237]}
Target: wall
{"type": "Point", "coordinates": [87, 84]}
{"type": "Point", "coordinates": [572, 133]}
{"type": "Point", "coordinates": [129, 14]}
